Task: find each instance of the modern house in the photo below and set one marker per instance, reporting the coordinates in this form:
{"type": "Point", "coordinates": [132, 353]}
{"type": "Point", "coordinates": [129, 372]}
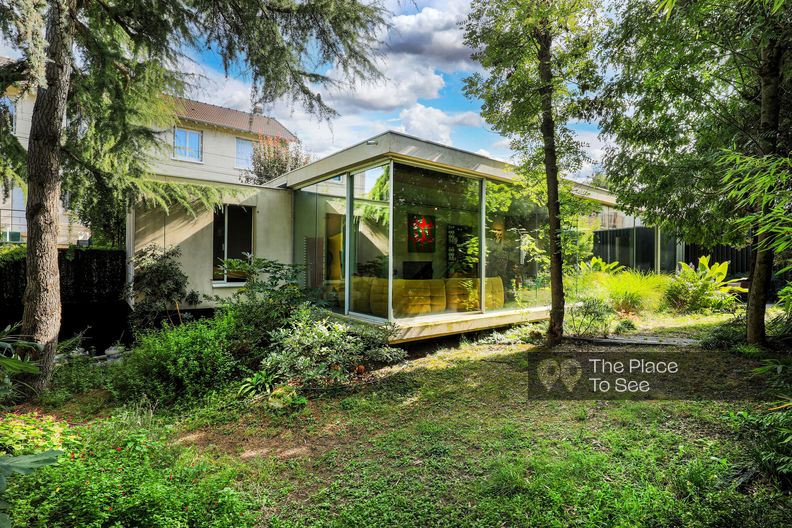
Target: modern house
{"type": "Point", "coordinates": [433, 239]}
{"type": "Point", "coordinates": [398, 229]}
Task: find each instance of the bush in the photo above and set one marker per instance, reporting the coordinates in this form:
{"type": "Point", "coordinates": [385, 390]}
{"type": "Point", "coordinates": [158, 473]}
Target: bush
{"type": "Point", "coordinates": [725, 336]}
{"type": "Point", "coordinates": [769, 434]}
{"type": "Point", "coordinates": [160, 283]}
{"type": "Point", "coordinates": [24, 434]}
{"type": "Point", "coordinates": [76, 374]}
{"type": "Point", "coordinates": [694, 290]}
{"type": "Point", "coordinates": [316, 348]}
{"type": "Point", "coordinates": [266, 302]}
{"type": "Point", "coordinates": [624, 326]}
{"type": "Point", "coordinates": [182, 361]}
{"type": "Point", "coordinates": [590, 316]}
{"type": "Point", "coordinates": [626, 291]}
{"type": "Point", "coordinates": [118, 474]}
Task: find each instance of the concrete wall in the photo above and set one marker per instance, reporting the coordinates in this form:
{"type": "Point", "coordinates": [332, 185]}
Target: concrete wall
{"type": "Point", "coordinates": [272, 235]}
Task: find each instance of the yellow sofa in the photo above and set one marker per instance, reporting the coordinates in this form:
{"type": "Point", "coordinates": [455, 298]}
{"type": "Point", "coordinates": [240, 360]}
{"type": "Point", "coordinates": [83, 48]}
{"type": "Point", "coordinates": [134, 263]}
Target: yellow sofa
{"type": "Point", "coordinates": [412, 298]}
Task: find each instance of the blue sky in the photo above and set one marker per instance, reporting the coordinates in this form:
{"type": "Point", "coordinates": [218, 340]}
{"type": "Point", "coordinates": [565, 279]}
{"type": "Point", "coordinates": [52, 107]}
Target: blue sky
{"type": "Point", "coordinates": [425, 63]}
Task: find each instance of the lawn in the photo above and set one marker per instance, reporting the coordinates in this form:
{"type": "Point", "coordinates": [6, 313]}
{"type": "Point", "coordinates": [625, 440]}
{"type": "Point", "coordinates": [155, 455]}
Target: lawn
{"type": "Point", "coordinates": [453, 439]}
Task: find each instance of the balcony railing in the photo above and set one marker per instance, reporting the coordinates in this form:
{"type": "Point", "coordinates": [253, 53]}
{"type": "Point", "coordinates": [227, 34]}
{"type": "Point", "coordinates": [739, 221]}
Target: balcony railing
{"type": "Point", "coordinates": [13, 228]}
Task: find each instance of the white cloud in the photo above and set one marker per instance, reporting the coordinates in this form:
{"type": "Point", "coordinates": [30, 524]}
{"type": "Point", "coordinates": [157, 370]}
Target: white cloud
{"type": "Point", "coordinates": [434, 124]}
{"type": "Point", "coordinates": [484, 152]}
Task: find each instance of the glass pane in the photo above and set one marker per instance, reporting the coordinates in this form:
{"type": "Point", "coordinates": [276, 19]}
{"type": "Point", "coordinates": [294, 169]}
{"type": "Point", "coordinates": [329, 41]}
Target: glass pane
{"type": "Point", "coordinates": [436, 243]}
{"type": "Point", "coordinates": [239, 237]}
{"type": "Point", "coordinates": [370, 231]}
{"type": "Point", "coordinates": [194, 145]}
{"type": "Point", "coordinates": [244, 154]}
{"type": "Point", "coordinates": [320, 221]}
{"type": "Point", "coordinates": [516, 258]}
{"type": "Point", "coordinates": [644, 248]}
{"type": "Point", "coordinates": [668, 253]}
{"type": "Point", "coordinates": [180, 143]}
{"type": "Point", "coordinates": [615, 241]}
{"type": "Point", "coordinates": [218, 243]}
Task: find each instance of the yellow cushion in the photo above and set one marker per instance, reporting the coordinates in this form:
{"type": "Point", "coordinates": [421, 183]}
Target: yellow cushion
{"type": "Point", "coordinates": [379, 297]}
{"type": "Point", "coordinates": [418, 297]}
{"type": "Point", "coordinates": [494, 294]}
{"type": "Point", "coordinates": [360, 295]}
{"type": "Point", "coordinates": [462, 294]}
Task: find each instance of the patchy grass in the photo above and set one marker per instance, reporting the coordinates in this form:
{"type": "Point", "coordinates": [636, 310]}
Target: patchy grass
{"type": "Point", "coordinates": [453, 438]}
{"type": "Point", "coordinates": [672, 325]}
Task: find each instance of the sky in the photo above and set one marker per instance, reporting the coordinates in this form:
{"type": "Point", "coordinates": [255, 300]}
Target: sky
{"type": "Point", "coordinates": [424, 62]}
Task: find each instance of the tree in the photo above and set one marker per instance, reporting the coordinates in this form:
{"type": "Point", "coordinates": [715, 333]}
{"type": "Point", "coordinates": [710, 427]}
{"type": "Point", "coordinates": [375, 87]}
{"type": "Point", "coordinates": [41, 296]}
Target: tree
{"type": "Point", "coordinates": [539, 68]}
{"type": "Point", "coordinates": [94, 65]}
{"type": "Point", "coordinates": [273, 157]}
{"type": "Point", "coordinates": [689, 83]}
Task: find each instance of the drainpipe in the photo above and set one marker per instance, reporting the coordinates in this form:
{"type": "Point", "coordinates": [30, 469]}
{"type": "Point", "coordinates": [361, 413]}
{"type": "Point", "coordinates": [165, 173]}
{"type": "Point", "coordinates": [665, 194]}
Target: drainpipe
{"type": "Point", "coordinates": [130, 253]}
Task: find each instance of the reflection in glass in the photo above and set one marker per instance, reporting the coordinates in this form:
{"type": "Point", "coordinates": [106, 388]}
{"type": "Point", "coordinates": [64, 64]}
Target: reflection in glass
{"type": "Point", "coordinates": [369, 247]}
{"type": "Point", "coordinates": [436, 243]}
{"type": "Point", "coordinates": [319, 224]}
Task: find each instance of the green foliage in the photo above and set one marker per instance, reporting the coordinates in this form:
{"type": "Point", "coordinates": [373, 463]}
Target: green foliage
{"type": "Point", "coordinates": [725, 336]}
{"type": "Point", "coordinates": [286, 399]}
{"type": "Point", "coordinates": [184, 361]}
{"type": "Point", "coordinates": [75, 374]}
{"type": "Point", "coordinates": [21, 465]}
{"type": "Point", "coordinates": [14, 361]}
{"type": "Point", "coordinates": [769, 433]}
{"type": "Point", "coordinates": [508, 478]}
{"type": "Point", "coordinates": [12, 253]}
{"type": "Point", "coordinates": [159, 284]}
{"type": "Point", "coordinates": [597, 264]}
{"type": "Point", "coordinates": [314, 348]}
{"type": "Point", "coordinates": [694, 290]}
{"type": "Point", "coordinates": [626, 291]}
{"type": "Point", "coordinates": [261, 382]}
{"type": "Point", "coordinates": [624, 326]}
{"type": "Point", "coordinates": [124, 474]}
{"type": "Point", "coordinates": [273, 157]}
{"type": "Point", "coordinates": [23, 434]}
{"type": "Point", "coordinates": [531, 333]}
{"type": "Point", "coordinates": [270, 296]}
{"type": "Point", "coordinates": [590, 316]}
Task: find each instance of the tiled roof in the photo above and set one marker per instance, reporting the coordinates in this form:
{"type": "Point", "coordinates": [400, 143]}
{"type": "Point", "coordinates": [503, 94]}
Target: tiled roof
{"type": "Point", "coordinates": [219, 116]}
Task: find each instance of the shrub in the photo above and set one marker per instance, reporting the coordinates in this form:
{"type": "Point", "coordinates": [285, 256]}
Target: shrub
{"type": "Point", "coordinates": [285, 399]}
{"type": "Point", "coordinates": [314, 347]}
{"type": "Point", "coordinates": [598, 264]}
{"type": "Point", "coordinates": [769, 434]}
{"type": "Point", "coordinates": [160, 283]}
{"type": "Point", "coordinates": [182, 361]}
{"type": "Point", "coordinates": [118, 474]}
{"type": "Point", "coordinates": [76, 374]}
{"type": "Point", "coordinates": [590, 316]}
{"type": "Point", "coordinates": [702, 288]}
{"type": "Point", "coordinates": [270, 296]}
{"type": "Point", "coordinates": [24, 434]}
{"type": "Point", "coordinates": [624, 326]}
{"type": "Point", "coordinates": [726, 335]}
{"type": "Point", "coordinates": [628, 291]}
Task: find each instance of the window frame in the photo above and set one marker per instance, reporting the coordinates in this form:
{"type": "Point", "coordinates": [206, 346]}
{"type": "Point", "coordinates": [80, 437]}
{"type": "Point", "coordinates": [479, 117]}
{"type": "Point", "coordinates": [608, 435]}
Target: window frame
{"type": "Point", "coordinates": [200, 149]}
{"type": "Point", "coordinates": [236, 153]}
{"type": "Point", "coordinates": [225, 283]}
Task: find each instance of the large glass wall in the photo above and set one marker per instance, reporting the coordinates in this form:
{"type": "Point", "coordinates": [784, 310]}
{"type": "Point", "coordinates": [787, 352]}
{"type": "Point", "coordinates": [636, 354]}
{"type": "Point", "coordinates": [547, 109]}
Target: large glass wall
{"type": "Point", "coordinates": [614, 242]}
{"type": "Point", "coordinates": [421, 254]}
{"type": "Point", "coordinates": [516, 266]}
{"type": "Point", "coordinates": [319, 227]}
{"type": "Point", "coordinates": [436, 232]}
{"type": "Point", "coordinates": [369, 247]}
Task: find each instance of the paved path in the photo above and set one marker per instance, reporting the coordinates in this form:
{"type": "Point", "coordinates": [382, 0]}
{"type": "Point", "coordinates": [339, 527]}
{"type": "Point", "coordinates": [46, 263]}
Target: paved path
{"type": "Point", "coordinates": [639, 340]}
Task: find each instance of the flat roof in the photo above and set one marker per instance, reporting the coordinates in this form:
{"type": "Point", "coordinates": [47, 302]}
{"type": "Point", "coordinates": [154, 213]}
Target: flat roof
{"type": "Point", "coordinates": [413, 150]}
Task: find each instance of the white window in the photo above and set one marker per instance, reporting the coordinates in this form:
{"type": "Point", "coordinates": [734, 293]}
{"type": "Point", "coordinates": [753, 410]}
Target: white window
{"type": "Point", "coordinates": [7, 108]}
{"type": "Point", "coordinates": [187, 144]}
{"type": "Point", "coordinates": [244, 154]}
{"type": "Point", "coordinates": [232, 239]}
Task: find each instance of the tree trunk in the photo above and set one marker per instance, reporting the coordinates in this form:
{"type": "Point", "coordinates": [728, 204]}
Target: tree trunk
{"type": "Point", "coordinates": [770, 111]}
{"type": "Point", "coordinates": [42, 313]}
{"type": "Point", "coordinates": [556, 329]}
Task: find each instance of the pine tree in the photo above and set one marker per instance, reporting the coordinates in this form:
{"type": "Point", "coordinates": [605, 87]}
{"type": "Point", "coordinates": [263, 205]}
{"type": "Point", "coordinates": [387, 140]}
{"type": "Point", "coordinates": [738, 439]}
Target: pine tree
{"type": "Point", "coordinates": [98, 69]}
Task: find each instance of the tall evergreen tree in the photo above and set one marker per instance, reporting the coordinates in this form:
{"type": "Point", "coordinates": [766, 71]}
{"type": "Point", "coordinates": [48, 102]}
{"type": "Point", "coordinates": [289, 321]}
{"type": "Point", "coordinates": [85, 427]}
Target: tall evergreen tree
{"type": "Point", "coordinates": [98, 68]}
{"type": "Point", "coordinates": [538, 67]}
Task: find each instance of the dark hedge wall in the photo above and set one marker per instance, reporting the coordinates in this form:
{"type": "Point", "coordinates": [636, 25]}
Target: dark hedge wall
{"type": "Point", "coordinates": [87, 276]}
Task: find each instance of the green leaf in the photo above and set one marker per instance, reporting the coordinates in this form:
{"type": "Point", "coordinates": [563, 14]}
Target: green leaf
{"type": "Point", "coordinates": [26, 464]}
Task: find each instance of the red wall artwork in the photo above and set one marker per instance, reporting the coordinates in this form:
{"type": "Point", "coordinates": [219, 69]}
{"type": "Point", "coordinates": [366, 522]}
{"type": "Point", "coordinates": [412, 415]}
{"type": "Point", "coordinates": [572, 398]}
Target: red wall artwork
{"type": "Point", "coordinates": [421, 237]}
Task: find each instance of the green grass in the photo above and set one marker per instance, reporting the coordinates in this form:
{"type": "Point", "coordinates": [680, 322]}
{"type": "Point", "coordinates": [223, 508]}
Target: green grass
{"type": "Point", "coordinates": [454, 439]}
{"type": "Point", "coordinates": [626, 291]}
